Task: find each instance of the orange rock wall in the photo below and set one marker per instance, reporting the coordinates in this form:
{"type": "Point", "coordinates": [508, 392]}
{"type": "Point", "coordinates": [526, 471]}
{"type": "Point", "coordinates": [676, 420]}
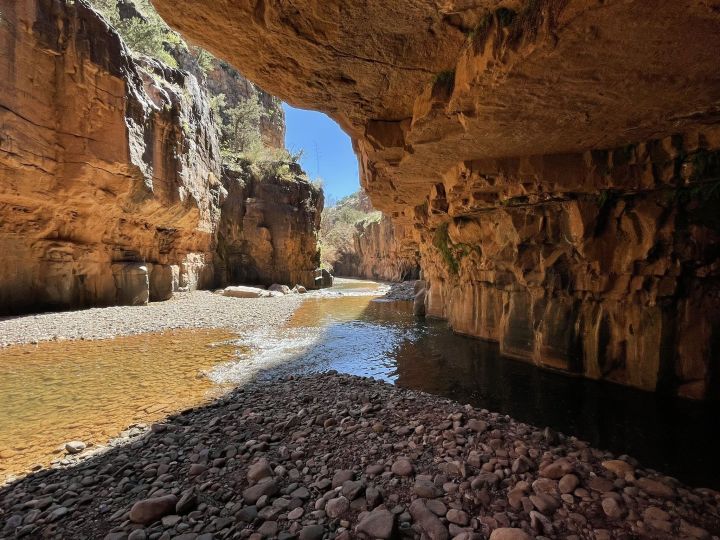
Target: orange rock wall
{"type": "Point", "coordinates": [110, 172]}
{"type": "Point", "coordinates": [381, 250]}
{"type": "Point", "coordinates": [268, 230]}
{"type": "Point", "coordinates": [102, 163]}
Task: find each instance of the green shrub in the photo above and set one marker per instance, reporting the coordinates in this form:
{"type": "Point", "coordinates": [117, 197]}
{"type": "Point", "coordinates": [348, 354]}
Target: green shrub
{"type": "Point", "coordinates": [443, 244]}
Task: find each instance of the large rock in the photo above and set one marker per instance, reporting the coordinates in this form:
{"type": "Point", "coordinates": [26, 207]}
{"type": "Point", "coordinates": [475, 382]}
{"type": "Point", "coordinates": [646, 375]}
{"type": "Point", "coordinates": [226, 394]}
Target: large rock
{"type": "Point", "coordinates": [429, 522]}
{"type": "Point", "coordinates": [131, 283]}
{"type": "Point", "coordinates": [377, 524]}
{"type": "Point", "coordinates": [268, 230]}
{"type": "Point", "coordinates": [242, 291]}
{"type": "Point", "coordinates": [148, 511]}
{"type": "Point", "coordinates": [107, 165]}
{"type": "Point", "coordinates": [507, 533]}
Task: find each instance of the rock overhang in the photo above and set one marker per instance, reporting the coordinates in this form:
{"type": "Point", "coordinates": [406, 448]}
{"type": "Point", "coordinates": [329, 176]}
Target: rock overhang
{"type": "Point", "coordinates": [423, 85]}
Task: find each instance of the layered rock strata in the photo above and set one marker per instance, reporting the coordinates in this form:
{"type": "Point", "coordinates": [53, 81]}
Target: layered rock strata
{"type": "Point", "coordinates": [268, 229]}
{"type": "Point", "coordinates": [381, 250]}
{"type": "Point", "coordinates": [555, 158]}
{"type": "Point", "coordinates": [109, 170]}
{"type": "Point", "coordinates": [111, 186]}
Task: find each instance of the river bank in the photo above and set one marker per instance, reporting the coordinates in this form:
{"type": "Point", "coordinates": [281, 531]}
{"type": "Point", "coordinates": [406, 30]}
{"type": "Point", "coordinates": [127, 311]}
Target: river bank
{"type": "Point", "coordinates": [338, 456]}
{"type": "Point", "coordinates": [197, 309]}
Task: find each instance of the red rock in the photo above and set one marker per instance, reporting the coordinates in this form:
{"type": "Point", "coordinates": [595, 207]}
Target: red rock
{"type": "Point", "coordinates": [150, 510]}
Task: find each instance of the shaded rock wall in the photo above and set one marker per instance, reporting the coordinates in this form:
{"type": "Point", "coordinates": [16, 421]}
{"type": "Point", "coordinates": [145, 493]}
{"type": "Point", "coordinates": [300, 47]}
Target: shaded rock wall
{"type": "Point", "coordinates": [548, 160]}
{"type": "Point", "coordinates": [619, 284]}
{"type": "Point", "coordinates": [269, 226]}
{"type": "Point", "coordinates": [381, 250]}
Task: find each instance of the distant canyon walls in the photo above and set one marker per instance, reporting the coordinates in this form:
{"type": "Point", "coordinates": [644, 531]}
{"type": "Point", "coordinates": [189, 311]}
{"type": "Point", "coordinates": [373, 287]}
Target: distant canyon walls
{"type": "Point", "coordinates": [555, 161]}
{"type": "Point", "coordinates": [111, 183]}
{"type": "Point", "coordinates": [381, 250]}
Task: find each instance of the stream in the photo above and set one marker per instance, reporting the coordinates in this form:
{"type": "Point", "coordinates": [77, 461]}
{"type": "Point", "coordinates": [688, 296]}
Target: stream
{"type": "Point", "coordinates": [55, 392]}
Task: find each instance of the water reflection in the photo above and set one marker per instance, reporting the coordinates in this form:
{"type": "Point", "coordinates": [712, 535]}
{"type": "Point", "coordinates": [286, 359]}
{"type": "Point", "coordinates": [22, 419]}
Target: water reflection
{"type": "Point", "coordinates": [382, 339]}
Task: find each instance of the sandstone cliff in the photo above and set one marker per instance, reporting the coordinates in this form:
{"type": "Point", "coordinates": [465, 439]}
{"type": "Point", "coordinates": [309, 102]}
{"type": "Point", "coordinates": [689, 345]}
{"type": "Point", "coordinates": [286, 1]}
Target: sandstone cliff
{"type": "Point", "coordinates": [268, 229]}
{"type": "Point", "coordinates": [220, 78]}
{"type": "Point", "coordinates": [110, 169]}
{"type": "Point", "coordinates": [381, 250]}
{"type": "Point", "coordinates": [556, 160]}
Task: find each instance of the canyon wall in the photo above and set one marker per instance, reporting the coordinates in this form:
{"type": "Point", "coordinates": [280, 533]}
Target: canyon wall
{"type": "Point", "coordinates": [556, 160]}
{"type": "Point", "coordinates": [268, 229]}
{"type": "Point", "coordinates": [109, 170]}
{"type": "Point", "coordinates": [111, 186]}
{"type": "Point", "coordinates": [220, 78]}
{"type": "Point", "coordinates": [620, 284]}
{"type": "Point", "coordinates": [381, 250]}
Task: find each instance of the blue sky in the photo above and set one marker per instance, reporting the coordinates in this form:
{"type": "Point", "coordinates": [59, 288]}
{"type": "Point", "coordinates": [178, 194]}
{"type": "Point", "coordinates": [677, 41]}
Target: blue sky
{"type": "Point", "coordinates": [328, 151]}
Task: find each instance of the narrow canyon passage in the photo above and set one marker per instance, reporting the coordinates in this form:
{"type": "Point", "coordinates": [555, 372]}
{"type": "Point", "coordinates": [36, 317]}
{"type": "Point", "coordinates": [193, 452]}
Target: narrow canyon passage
{"type": "Point", "coordinates": [324, 270]}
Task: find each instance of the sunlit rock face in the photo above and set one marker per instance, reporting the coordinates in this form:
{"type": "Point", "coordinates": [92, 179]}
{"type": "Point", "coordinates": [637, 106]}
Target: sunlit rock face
{"type": "Point", "coordinates": [556, 159]}
{"type": "Point", "coordinates": [381, 250]}
{"type": "Point", "coordinates": [111, 185]}
{"type": "Point", "coordinates": [269, 227]}
{"type": "Point", "coordinates": [109, 170]}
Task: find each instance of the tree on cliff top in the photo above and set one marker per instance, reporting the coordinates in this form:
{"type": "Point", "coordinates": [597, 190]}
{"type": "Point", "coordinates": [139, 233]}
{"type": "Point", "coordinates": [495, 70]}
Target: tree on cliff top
{"type": "Point", "coordinates": [239, 122]}
{"type": "Point", "coordinates": [142, 29]}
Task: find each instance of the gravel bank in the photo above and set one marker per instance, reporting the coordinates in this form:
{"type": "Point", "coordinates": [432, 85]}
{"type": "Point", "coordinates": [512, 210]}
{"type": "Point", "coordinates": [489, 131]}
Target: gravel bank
{"type": "Point", "coordinates": [401, 291]}
{"type": "Point", "coordinates": [334, 456]}
{"type": "Point", "coordinates": [199, 309]}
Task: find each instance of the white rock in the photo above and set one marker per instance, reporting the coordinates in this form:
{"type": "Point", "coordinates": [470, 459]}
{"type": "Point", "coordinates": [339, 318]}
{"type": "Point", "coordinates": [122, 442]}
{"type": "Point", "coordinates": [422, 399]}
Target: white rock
{"type": "Point", "coordinates": [243, 291]}
{"type": "Point", "coordinates": [75, 447]}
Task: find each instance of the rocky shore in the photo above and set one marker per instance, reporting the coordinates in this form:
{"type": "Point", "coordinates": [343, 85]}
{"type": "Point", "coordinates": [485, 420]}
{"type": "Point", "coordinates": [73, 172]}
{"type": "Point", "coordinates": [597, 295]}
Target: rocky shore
{"type": "Point", "coordinates": [197, 309]}
{"type": "Point", "coordinates": [334, 456]}
{"type": "Point", "coordinates": [404, 290]}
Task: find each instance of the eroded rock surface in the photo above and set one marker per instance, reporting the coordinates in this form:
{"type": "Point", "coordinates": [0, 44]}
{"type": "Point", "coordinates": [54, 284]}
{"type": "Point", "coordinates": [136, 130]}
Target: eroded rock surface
{"type": "Point", "coordinates": [268, 229]}
{"type": "Point", "coordinates": [109, 170]}
{"type": "Point", "coordinates": [556, 160]}
{"type": "Point", "coordinates": [381, 250]}
{"type": "Point", "coordinates": [111, 184]}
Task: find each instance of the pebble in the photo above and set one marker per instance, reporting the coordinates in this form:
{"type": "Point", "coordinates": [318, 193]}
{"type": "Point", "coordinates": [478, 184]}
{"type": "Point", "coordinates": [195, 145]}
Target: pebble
{"type": "Point", "coordinates": [337, 507]}
{"type": "Point", "coordinates": [402, 467]}
{"type": "Point", "coordinates": [75, 447]}
{"type": "Point", "coordinates": [377, 524]}
{"type": "Point", "coordinates": [269, 468]}
{"type": "Point", "coordinates": [150, 510]}
{"type": "Point", "coordinates": [508, 533]}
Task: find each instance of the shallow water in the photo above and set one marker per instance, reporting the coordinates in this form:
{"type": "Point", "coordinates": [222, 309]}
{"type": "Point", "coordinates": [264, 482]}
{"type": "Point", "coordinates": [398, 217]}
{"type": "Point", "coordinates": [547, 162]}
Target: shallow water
{"type": "Point", "coordinates": [370, 337]}
{"type": "Point", "coordinates": [55, 392]}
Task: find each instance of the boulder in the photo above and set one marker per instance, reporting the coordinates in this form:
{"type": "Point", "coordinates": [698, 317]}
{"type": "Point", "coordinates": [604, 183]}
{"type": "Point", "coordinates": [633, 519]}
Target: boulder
{"type": "Point", "coordinates": [275, 287]}
{"type": "Point", "coordinates": [242, 291]}
{"type": "Point", "coordinates": [132, 286]}
{"type": "Point", "coordinates": [151, 510]}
